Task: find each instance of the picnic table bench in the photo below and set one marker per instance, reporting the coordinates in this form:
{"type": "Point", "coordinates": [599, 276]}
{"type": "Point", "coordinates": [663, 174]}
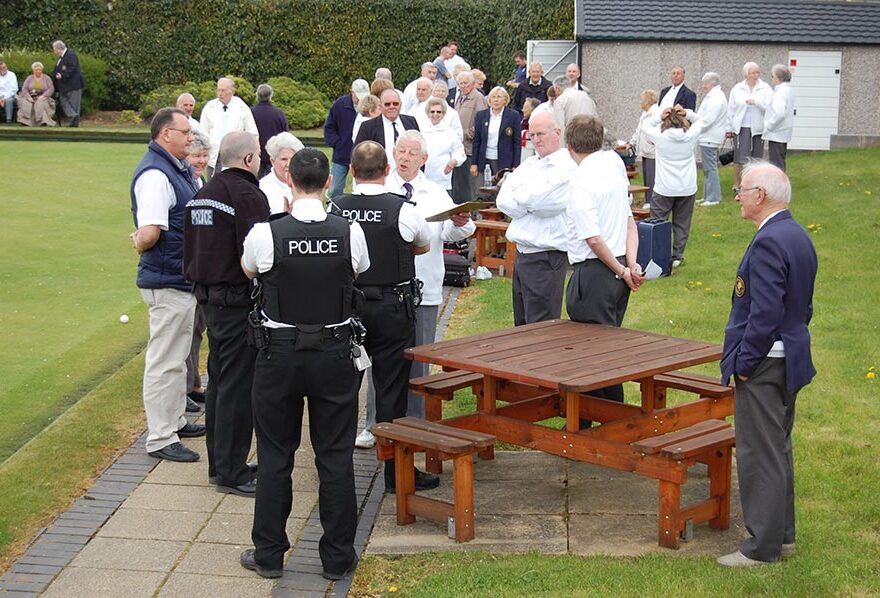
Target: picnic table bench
{"type": "Point", "coordinates": [491, 242]}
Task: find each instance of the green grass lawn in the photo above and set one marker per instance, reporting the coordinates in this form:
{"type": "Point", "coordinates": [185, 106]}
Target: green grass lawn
{"type": "Point", "coordinates": [836, 432]}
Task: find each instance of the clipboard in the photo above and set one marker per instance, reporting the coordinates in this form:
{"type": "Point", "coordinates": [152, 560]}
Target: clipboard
{"type": "Point", "coordinates": [461, 208]}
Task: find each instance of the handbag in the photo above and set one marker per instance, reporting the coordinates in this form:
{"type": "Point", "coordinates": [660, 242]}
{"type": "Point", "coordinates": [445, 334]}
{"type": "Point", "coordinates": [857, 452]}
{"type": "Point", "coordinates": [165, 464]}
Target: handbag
{"type": "Point", "coordinates": [726, 158]}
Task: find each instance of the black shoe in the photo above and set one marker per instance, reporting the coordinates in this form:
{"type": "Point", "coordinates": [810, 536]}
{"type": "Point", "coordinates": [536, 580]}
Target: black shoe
{"type": "Point", "coordinates": [74, 122]}
{"type": "Point", "coordinates": [424, 481]}
{"type": "Point", "coordinates": [338, 576]}
{"type": "Point", "coordinates": [192, 406]}
{"type": "Point", "coordinates": [248, 561]}
{"type": "Point", "coordinates": [198, 397]}
{"type": "Point", "coordinates": [213, 479]}
{"type": "Point", "coordinates": [176, 452]}
{"type": "Point", "coordinates": [191, 430]}
{"type": "Point", "coordinates": [248, 489]}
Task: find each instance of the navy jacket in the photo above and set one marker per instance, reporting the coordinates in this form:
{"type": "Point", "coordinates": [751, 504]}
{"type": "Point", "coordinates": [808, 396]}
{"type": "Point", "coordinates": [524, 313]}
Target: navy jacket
{"type": "Point", "coordinates": [338, 129]}
{"type": "Point", "coordinates": [71, 75]}
{"type": "Point", "coordinates": [509, 139]}
{"type": "Point", "coordinates": [374, 129]}
{"type": "Point", "coordinates": [685, 97]}
{"type": "Point", "coordinates": [773, 300]}
{"type": "Point", "coordinates": [270, 120]}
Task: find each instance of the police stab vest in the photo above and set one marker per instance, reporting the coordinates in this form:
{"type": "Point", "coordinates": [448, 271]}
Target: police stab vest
{"type": "Point", "coordinates": [391, 258]}
{"type": "Point", "coordinates": [311, 279]}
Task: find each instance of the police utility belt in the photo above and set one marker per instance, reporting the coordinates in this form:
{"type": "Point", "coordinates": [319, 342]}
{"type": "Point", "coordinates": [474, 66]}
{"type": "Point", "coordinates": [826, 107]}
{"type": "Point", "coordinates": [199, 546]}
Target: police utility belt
{"type": "Point", "coordinates": [408, 292]}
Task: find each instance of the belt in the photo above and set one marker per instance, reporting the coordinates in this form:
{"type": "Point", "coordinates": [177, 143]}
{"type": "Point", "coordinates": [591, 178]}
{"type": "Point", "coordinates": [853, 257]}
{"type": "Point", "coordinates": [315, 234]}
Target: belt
{"type": "Point", "coordinates": [342, 331]}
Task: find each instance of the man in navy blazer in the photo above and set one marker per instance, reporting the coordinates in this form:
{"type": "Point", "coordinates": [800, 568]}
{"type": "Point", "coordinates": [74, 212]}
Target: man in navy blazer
{"type": "Point", "coordinates": [68, 81]}
{"type": "Point", "coordinates": [682, 95]}
{"type": "Point", "coordinates": [767, 352]}
{"type": "Point", "coordinates": [387, 127]}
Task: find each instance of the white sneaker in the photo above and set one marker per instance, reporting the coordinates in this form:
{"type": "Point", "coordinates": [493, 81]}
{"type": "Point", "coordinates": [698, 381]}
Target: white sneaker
{"type": "Point", "coordinates": [676, 263]}
{"type": "Point", "coordinates": [708, 204]}
{"type": "Point", "coordinates": [365, 440]}
{"type": "Point", "coordinates": [788, 549]}
{"type": "Point", "coordinates": [646, 206]}
{"type": "Point", "coordinates": [738, 559]}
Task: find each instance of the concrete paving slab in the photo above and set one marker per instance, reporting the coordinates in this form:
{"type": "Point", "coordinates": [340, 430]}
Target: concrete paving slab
{"type": "Point", "coordinates": [167, 497]}
{"type": "Point", "coordinates": [519, 465]}
{"type": "Point", "coordinates": [303, 503]}
{"type": "Point", "coordinates": [621, 493]}
{"type": "Point", "coordinates": [233, 528]}
{"type": "Point", "coordinates": [88, 582]}
{"type": "Point", "coordinates": [129, 554]}
{"type": "Point", "coordinates": [149, 524]}
{"type": "Point", "coordinates": [208, 586]}
{"type": "Point", "coordinates": [215, 559]}
{"type": "Point", "coordinates": [182, 474]}
{"type": "Point", "coordinates": [305, 478]}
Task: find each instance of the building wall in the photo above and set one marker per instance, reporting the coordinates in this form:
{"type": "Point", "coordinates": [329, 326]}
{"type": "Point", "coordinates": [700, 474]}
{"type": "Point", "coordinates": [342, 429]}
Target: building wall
{"type": "Point", "coordinates": [616, 72]}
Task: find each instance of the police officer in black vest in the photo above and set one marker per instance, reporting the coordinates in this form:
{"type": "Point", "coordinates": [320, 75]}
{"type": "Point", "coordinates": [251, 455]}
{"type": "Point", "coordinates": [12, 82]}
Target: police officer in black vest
{"type": "Point", "coordinates": [215, 225]}
{"type": "Point", "coordinates": [307, 341]}
{"type": "Point", "coordinates": [395, 233]}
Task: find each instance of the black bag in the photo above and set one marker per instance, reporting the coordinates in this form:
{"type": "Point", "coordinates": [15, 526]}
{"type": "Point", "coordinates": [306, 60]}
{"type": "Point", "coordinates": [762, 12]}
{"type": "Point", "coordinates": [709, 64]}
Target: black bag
{"type": "Point", "coordinates": [457, 270]}
{"type": "Point", "coordinates": [726, 158]}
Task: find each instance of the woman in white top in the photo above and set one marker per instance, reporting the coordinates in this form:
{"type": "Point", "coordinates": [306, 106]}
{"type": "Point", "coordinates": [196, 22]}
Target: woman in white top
{"type": "Point", "coordinates": [643, 146]}
{"type": "Point", "coordinates": [779, 115]}
{"type": "Point", "coordinates": [675, 184]}
{"type": "Point", "coordinates": [366, 109]}
{"type": "Point", "coordinates": [445, 150]}
{"type": "Point", "coordinates": [747, 118]}
{"type": "Point", "coordinates": [713, 113]}
{"type": "Point", "coordinates": [281, 149]}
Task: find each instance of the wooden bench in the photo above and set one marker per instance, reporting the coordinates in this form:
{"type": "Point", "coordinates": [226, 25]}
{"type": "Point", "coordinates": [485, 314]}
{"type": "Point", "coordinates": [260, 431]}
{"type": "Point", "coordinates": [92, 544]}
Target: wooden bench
{"type": "Point", "coordinates": [407, 436]}
{"type": "Point", "coordinates": [488, 235]}
{"type": "Point", "coordinates": [703, 386]}
{"type": "Point", "coordinates": [437, 388]}
{"type": "Point", "coordinates": [711, 442]}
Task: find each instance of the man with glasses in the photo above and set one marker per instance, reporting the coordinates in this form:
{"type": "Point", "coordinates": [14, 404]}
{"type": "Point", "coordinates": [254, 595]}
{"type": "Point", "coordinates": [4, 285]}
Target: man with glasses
{"type": "Point", "coordinates": [160, 188]}
{"type": "Point", "coordinates": [216, 223]}
{"type": "Point", "coordinates": [386, 129]}
{"type": "Point", "coordinates": [767, 353]}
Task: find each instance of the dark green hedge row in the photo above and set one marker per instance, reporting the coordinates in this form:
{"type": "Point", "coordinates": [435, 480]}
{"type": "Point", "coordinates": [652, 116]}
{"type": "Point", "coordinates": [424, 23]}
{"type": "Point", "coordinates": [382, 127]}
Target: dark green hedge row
{"type": "Point", "coordinates": [324, 42]}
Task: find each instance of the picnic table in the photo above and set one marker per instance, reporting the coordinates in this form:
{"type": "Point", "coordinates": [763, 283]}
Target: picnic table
{"type": "Point", "coordinates": [540, 371]}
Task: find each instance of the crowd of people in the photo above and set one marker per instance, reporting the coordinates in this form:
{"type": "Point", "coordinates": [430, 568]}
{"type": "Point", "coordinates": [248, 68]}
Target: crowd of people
{"type": "Point", "coordinates": [303, 288]}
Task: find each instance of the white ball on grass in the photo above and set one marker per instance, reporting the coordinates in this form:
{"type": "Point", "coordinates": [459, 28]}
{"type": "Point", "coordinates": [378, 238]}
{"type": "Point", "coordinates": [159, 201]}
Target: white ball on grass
{"type": "Point", "coordinates": [123, 318]}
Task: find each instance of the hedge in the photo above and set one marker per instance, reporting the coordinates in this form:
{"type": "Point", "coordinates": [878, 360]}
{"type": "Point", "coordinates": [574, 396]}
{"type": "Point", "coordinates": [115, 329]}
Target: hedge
{"type": "Point", "coordinates": [323, 42]}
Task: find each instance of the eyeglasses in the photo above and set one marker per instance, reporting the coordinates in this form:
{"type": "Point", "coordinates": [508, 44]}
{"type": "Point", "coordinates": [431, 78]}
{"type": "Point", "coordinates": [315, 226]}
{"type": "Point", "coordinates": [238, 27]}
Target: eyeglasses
{"type": "Point", "coordinates": [186, 132]}
{"type": "Point", "coordinates": [741, 190]}
{"type": "Point", "coordinates": [390, 104]}
{"type": "Point", "coordinates": [435, 112]}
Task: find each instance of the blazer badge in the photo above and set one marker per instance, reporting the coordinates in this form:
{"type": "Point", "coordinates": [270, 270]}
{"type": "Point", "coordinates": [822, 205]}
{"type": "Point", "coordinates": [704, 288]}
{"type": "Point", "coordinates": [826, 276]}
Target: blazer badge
{"type": "Point", "coordinates": [509, 131]}
{"type": "Point", "coordinates": [739, 287]}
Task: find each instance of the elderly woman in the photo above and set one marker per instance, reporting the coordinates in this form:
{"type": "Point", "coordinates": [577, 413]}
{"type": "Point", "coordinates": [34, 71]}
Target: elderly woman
{"type": "Point", "coordinates": [497, 135]}
{"type": "Point", "coordinates": [779, 115]}
{"type": "Point", "coordinates": [479, 80]}
{"type": "Point", "coordinates": [367, 108]}
{"type": "Point", "coordinates": [713, 113]}
{"type": "Point", "coordinates": [35, 104]}
{"type": "Point", "coordinates": [441, 91]}
{"type": "Point", "coordinates": [280, 148]}
{"type": "Point", "coordinates": [675, 183]}
{"type": "Point", "coordinates": [445, 150]}
{"type": "Point", "coordinates": [639, 140]}
{"type": "Point", "coordinates": [744, 108]}
{"type": "Point", "coordinates": [199, 151]}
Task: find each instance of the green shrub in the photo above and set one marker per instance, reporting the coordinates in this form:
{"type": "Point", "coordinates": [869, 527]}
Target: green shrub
{"type": "Point", "coordinates": [303, 103]}
{"type": "Point", "coordinates": [162, 97]}
{"type": "Point", "coordinates": [243, 89]}
{"type": "Point", "coordinates": [129, 117]}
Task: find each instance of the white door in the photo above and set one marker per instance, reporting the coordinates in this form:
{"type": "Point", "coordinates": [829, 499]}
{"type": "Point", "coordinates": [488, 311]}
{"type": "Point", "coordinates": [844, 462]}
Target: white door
{"type": "Point", "coordinates": [815, 80]}
{"type": "Point", "coordinates": [554, 55]}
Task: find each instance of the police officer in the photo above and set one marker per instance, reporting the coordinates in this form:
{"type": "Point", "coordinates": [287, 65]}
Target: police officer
{"type": "Point", "coordinates": [306, 262]}
{"type": "Point", "coordinates": [395, 233]}
{"type": "Point", "coordinates": [216, 223]}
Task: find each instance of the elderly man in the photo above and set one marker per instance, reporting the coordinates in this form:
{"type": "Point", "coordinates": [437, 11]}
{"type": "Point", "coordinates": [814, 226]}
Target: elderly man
{"type": "Point", "coordinates": [468, 102]}
{"type": "Point", "coordinates": [450, 64]}
{"type": "Point", "coordinates": [535, 86]}
{"type": "Point", "coordinates": [160, 188]}
{"type": "Point", "coordinates": [536, 197]}
{"type": "Point", "coordinates": [338, 130]}
{"type": "Point", "coordinates": [713, 113]}
{"type": "Point", "coordinates": [424, 87]}
{"type": "Point", "coordinates": [678, 93]}
{"type": "Point", "coordinates": [407, 179]}
{"type": "Point", "coordinates": [8, 89]}
{"type": "Point", "coordinates": [386, 129]}
{"type": "Point", "coordinates": [225, 114]}
{"type": "Point", "coordinates": [270, 121]}
{"type": "Point", "coordinates": [69, 81]}
{"type": "Point", "coordinates": [570, 102]}
{"type": "Point", "coordinates": [187, 103]}
{"type": "Point", "coordinates": [779, 115]}
{"type": "Point", "coordinates": [217, 222]}
{"type": "Point", "coordinates": [573, 75]}
{"type": "Point", "coordinates": [429, 72]}
{"type": "Point", "coordinates": [767, 353]}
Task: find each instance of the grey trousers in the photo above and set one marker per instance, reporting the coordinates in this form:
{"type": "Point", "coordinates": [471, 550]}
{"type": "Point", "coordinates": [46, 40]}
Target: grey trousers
{"type": "Point", "coordinates": [538, 279]}
{"type": "Point", "coordinates": [70, 101]}
{"type": "Point", "coordinates": [682, 209]}
{"type": "Point", "coordinates": [777, 154]}
{"type": "Point", "coordinates": [764, 412]}
{"type": "Point", "coordinates": [711, 181]}
{"type": "Point", "coordinates": [648, 169]}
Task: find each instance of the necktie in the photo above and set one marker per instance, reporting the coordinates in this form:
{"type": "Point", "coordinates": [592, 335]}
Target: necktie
{"type": "Point", "coordinates": [396, 134]}
{"type": "Point", "coordinates": [225, 108]}
{"type": "Point", "coordinates": [409, 190]}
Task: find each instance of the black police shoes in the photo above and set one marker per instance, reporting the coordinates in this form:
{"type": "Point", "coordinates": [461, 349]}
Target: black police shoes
{"type": "Point", "coordinates": [198, 397]}
{"type": "Point", "coordinates": [191, 430]}
{"type": "Point", "coordinates": [176, 452]}
{"type": "Point", "coordinates": [192, 406]}
{"type": "Point", "coordinates": [338, 576]}
{"type": "Point", "coordinates": [248, 561]}
{"type": "Point", "coordinates": [424, 481]}
{"type": "Point", "coordinates": [216, 479]}
{"type": "Point", "coordinates": [248, 489]}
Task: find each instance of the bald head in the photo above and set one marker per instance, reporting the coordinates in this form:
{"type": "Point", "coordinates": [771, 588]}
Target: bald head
{"type": "Point", "coordinates": [544, 132]}
{"type": "Point", "coordinates": [369, 163]}
{"type": "Point", "coordinates": [186, 102]}
{"type": "Point", "coordinates": [241, 150]}
{"type": "Point", "coordinates": [225, 89]}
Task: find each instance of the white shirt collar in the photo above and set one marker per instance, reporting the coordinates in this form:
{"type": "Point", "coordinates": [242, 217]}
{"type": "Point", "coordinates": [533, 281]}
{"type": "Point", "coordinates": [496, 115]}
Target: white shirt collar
{"type": "Point", "coordinates": [307, 209]}
{"type": "Point", "coordinates": [370, 189]}
{"type": "Point", "coordinates": [767, 219]}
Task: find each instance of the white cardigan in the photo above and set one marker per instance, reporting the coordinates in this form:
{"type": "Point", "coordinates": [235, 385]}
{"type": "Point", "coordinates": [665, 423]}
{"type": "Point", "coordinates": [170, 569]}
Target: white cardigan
{"type": "Point", "coordinates": [779, 114]}
{"type": "Point", "coordinates": [676, 168]}
{"type": "Point", "coordinates": [736, 106]}
{"type": "Point", "coordinates": [713, 113]}
{"type": "Point", "coordinates": [643, 147]}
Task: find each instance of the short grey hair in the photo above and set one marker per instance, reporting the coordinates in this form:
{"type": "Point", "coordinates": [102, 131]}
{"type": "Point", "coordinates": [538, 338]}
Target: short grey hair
{"type": "Point", "coordinates": [36, 64]}
{"type": "Point", "coordinates": [713, 78]}
{"type": "Point", "coordinates": [749, 66]}
{"type": "Point", "coordinates": [264, 92]}
{"type": "Point", "coordinates": [771, 178]}
{"type": "Point", "coordinates": [781, 72]}
{"type": "Point", "coordinates": [435, 102]}
{"type": "Point", "coordinates": [59, 45]}
{"type": "Point", "coordinates": [236, 145]}
{"type": "Point", "coordinates": [414, 135]}
{"type": "Point", "coordinates": [428, 65]}
{"type": "Point", "coordinates": [200, 143]}
{"type": "Point", "coordinates": [441, 85]}
{"type": "Point", "coordinates": [561, 82]}
{"type": "Point", "coordinates": [382, 73]}
{"type": "Point", "coordinates": [282, 141]}
{"type": "Point", "coordinates": [181, 97]}
{"type": "Point", "coordinates": [466, 75]}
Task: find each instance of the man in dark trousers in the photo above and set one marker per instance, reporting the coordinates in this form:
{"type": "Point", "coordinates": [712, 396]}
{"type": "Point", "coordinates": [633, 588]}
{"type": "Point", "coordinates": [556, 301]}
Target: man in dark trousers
{"type": "Point", "coordinates": [270, 120]}
{"type": "Point", "coordinates": [395, 232]}
{"type": "Point", "coordinates": [68, 81]}
{"type": "Point", "coordinates": [387, 127]}
{"type": "Point", "coordinates": [216, 222]}
{"type": "Point", "coordinates": [337, 133]}
{"type": "Point", "coordinates": [678, 94]}
{"type": "Point", "coordinates": [307, 262]}
{"type": "Point", "coordinates": [767, 353]}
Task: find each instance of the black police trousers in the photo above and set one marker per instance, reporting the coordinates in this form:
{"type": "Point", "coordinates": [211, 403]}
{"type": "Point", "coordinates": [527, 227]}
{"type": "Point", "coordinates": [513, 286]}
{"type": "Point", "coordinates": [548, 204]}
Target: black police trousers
{"type": "Point", "coordinates": [328, 378]}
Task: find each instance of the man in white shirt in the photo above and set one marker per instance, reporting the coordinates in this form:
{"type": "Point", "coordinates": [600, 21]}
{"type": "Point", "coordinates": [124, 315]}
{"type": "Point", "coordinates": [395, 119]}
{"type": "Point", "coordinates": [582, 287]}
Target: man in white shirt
{"type": "Point", "coordinates": [429, 72]}
{"type": "Point", "coordinates": [450, 63]}
{"type": "Point", "coordinates": [225, 114]}
{"type": "Point", "coordinates": [573, 75]}
{"type": "Point", "coordinates": [423, 88]}
{"type": "Point", "coordinates": [536, 197]}
{"type": "Point", "coordinates": [187, 103]}
{"type": "Point", "coordinates": [678, 93]}
{"type": "Point", "coordinates": [570, 102]}
{"type": "Point", "coordinates": [408, 180]}
{"type": "Point", "coordinates": [8, 89]}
